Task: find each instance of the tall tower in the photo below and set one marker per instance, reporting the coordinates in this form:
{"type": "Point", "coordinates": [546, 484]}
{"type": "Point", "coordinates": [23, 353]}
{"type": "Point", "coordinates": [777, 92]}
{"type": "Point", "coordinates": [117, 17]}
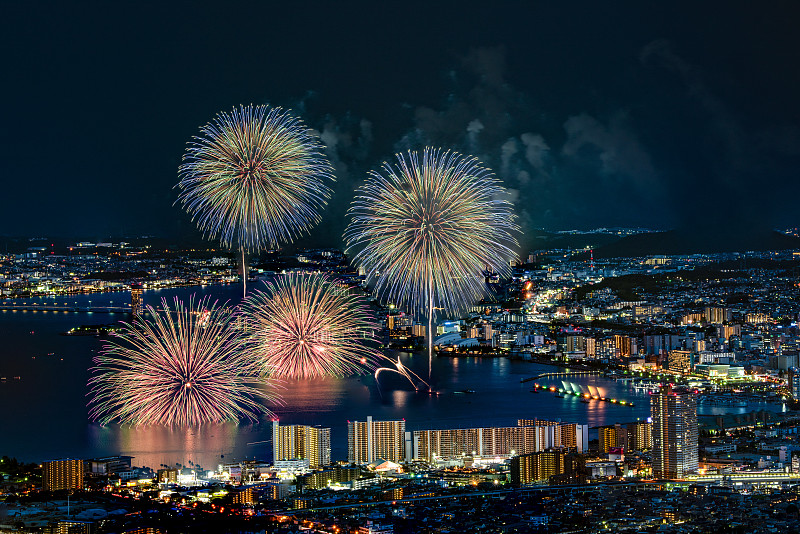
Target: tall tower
{"type": "Point", "coordinates": [674, 432]}
{"type": "Point", "coordinates": [136, 300]}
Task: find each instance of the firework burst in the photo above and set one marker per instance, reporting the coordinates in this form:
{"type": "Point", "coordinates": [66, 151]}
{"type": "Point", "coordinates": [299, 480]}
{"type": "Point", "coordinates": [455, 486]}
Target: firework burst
{"type": "Point", "coordinates": [255, 178]}
{"type": "Point", "coordinates": [179, 367]}
{"type": "Point", "coordinates": [426, 228]}
{"type": "Point", "coordinates": [307, 326]}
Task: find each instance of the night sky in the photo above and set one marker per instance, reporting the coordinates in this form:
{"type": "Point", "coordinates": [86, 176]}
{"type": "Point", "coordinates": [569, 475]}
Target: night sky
{"type": "Point", "coordinates": [656, 114]}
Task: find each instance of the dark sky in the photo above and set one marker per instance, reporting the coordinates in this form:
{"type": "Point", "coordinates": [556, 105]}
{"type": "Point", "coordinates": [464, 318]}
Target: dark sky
{"type": "Point", "coordinates": [659, 114]}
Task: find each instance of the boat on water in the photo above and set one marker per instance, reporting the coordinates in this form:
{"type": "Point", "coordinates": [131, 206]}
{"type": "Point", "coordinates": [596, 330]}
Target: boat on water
{"type": "Point", "coordinates": [464, 391]}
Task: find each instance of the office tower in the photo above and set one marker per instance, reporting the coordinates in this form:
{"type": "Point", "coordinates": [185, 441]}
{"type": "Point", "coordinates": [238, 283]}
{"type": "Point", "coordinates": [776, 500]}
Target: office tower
{"type": "Point", "coordinates": [640, 437]}
{"type": "Point", "coordinates": [375, 440]}
{"type": "Point", "coordinates": [674, 413]}
{"type": "Point", "coordinates": [62, 475]}
{"type": "Point", "coordinates": [291, 442]}
{"type": "Point", "coordinates": [136, 300]}
{"type": "Point", "coordinates": [537, 466]}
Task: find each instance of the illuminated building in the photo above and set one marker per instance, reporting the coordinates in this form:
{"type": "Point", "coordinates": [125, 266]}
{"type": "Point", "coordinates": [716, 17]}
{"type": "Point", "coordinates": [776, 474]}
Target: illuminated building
{"type": "Point", "coordinates": [571, 343]}
{"type": "Point", "coordinates": [71, 526]}
{"type": "Point", "coordinates": [245, 496]}
{"type": "Point", "coordinates": [727, 331]}
{"type": "Point", "coordinates": [326, 477]}
{"type": "Point", "coordinates": [167, 476]}
{"type": "Point", "coordinates": [626, 346]}
{"type": "Point", "coordinates": [418, 330]}
{"type": "Point", "coordinates": [498, 441]}
{"type": "Point", "coordinates": [301, 441]}
{"type": "Point", "coordinates": [537, 466]}
{"type": "Point", "coordinates": [375, 440]}
{"type": "Point", "coordinates": [396, 322]}
{"type": "Point", "coordinates": [136, 300]}
{"type": "Point", "coordinates": [674, 413]}
{"type": "Point", "coordinates": [565, 435]}
{"type": "Point", "coordinates": [591, 347]}
{"type": "Point", "coordinates": [640, 436]}
{"type": "Point", "coordinates": [757, 318]}
{"type": "Point", "coordinates": [487, 331]}
{"type": "Point", "coordinates": [717, 314]}
{"type": "Point", "coordinates": [692, 318]}
{"type": "Point", "coordinates": [62, 475]}
{"type": "Point", "coordinates": [612, 437]}
{"type": "Point", "coordinates": [681, 361]}
{"type": "Point", "coordinates": [107, 466]}
{"type": "Point", "coordinates": [794, 382]}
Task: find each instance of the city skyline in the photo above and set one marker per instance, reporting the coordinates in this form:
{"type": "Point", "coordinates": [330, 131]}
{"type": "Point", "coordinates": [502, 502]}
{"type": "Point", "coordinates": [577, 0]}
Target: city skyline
{"type": "Point", "coordinates": [450, 217]}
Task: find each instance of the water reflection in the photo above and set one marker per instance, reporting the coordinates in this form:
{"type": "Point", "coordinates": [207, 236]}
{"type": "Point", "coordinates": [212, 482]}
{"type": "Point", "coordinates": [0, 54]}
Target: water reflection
{"type": "Point", "coordinates": [51, 397]}
{"type": "Point", "coordinates": [156, 446]}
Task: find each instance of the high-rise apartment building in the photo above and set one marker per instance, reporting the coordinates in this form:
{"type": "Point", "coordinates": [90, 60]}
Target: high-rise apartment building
{"type": "Point", "coordinates": [565, 435]}
{"type": "Point", "coordinates": [640, 436]}
{"type": "Point", "coordinates": [291, 442]}
{"type": "Point", "coordinates": [528, 437]}
{"type": "Point", "coordinates": [537, 466]}
{"type": "Point", "coordinates": [631, 436]}
{"type": "Point", "coordinates": [136, 300]}
{"type": "Point", "coordinates": [612, 437]}
{"type": "Point", "coordinates": [62, 475]}
{"type": "Point", "coordinates": [674, 413]}
{"type": "Point", "coordinates": [370, 440]}
{"type": "Point", "coordinates": [717, 314]}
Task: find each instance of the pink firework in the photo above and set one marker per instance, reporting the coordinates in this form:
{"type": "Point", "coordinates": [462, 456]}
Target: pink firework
{"type": "Point", "coordinates": [180, 366]}
{"type": "Point", "coordinates": [307, 326]}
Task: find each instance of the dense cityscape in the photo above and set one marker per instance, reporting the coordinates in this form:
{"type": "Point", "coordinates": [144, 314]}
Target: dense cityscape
{"type": "Point", "coordinates": [703, 329]}
{"type": "Point", "coordinates": [399, 267]}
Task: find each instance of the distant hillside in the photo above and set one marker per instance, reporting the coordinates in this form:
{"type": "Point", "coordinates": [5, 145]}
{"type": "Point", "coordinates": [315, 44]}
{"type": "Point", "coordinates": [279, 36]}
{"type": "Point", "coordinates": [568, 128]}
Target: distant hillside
{"type": "Point", "coordinates": [687, 241]}
{"type": "Point", "coordinates": [540, 240]}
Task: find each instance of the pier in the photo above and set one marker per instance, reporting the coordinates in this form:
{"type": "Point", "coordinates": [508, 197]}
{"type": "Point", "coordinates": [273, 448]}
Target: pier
{"type": "Point", "coordinates": [561, 373]}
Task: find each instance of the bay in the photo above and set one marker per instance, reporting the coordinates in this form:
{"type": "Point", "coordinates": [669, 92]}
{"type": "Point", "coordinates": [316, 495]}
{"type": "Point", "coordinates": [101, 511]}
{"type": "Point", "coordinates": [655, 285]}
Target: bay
{"type": "Point", "coordinates": [43, 414]}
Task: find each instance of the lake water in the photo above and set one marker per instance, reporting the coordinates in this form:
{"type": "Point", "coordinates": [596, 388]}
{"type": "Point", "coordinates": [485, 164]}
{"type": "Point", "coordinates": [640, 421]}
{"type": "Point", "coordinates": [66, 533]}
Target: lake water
{"type": "Point", "coordinates": [43, 415]}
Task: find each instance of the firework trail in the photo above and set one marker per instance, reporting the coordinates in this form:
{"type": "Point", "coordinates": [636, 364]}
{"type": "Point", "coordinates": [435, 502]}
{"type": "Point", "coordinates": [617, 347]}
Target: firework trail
{"type": "Point", "coordinates": [403, 371]}
{"type": "Point", "coordinates": [308, 326]}
{"type": "Point", "coordinates": [181, 366]}
{"type": "Point", "coordinates": [255, 178]}
{"type": "Point", "coordinates": [427, 227]}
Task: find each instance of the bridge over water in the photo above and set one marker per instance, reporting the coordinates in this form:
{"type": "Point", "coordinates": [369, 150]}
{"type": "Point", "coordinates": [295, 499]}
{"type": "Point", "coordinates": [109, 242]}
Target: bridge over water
{"type": "Point", "coordinates": [63, 307]}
